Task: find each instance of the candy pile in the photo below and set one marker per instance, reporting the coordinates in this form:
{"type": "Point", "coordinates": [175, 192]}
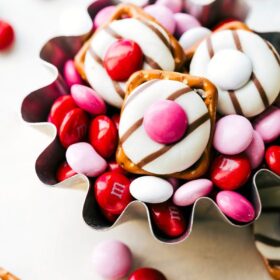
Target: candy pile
{"type": "Point", "coordinates": [113, 259]}
{"type": "Point", "coordinates": [156, 149]}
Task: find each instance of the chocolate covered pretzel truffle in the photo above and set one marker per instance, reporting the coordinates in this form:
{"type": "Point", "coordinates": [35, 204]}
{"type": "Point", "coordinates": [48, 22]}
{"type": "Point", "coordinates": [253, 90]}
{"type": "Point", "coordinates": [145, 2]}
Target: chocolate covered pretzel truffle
{"type": "Point", "coordinates": [244, 68]}
{"type": "Point", "coordinates": [166, 124]}
{"type": "Point", "coordinates": [130, 41]}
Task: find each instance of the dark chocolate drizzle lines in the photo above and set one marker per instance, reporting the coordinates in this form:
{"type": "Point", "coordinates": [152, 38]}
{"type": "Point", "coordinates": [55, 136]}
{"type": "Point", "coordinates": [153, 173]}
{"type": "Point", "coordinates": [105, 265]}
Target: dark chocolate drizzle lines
{"type": "Point", "coordinates": [274, 263]}
{"type": "Point", "coordinates": [116, 85]}
{"type": "Point", "coordinates": [138, 123]}
{"type": "Point", "coordinates": [267, 240]}
{"type": "Point", "coordinates": [274, 52]}
{"type": "Point", "coordinates": [192, 127]}
{"type": "Point", "coordinates": [210, 47]}
{"type": "Point", "coordinates": [153, 64]}
{"type": "Point", "coordinates": [235, 102]}
{"type": "Point", "coordinates": [254, 78]}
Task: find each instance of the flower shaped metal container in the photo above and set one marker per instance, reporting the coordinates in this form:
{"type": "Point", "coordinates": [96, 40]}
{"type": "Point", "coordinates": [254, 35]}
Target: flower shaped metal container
{"type": "Point", "coordinates": [35, 109]}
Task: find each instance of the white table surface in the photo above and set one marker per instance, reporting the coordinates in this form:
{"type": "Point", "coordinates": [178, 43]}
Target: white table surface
{"type": "Point", "coordinates": [42, 233]}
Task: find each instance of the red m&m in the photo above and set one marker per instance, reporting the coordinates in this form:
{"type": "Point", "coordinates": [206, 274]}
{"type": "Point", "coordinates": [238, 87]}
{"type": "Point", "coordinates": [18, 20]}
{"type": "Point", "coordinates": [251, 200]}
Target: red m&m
{"type": "Point", "coordinates": [6, 35]}
{"type": "Point", "coordinates": [64, 172]}
{"type": "Point", "coordinates": [146, 273]}
{"type": "Point", "coordinates": [272, 157]}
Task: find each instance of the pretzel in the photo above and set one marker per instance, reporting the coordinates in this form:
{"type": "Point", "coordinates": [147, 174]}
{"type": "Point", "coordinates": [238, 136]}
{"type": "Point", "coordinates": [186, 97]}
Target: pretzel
{"type": "Point", "coordinates": [5, 275]}
{"type": "Point", "coordinates": [271, 268]}
{"type": "Point", "coordinates": [193, 83]}
{"type": "Point", "coordinates": [255, 86]}
{"type": "Point", "coordinates": [233, 25]}
{"type": "Point", "coordinates": [165, 41]}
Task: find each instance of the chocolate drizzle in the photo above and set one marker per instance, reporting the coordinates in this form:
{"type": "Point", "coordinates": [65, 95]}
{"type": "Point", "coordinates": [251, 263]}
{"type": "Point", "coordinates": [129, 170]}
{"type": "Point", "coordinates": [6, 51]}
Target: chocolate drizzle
{"type": "Point", "coordinates": [192, 127]}
{"type": "Point", "coordinates": [235, 102]}
{"type": "Point", "coordinates": [210, 47]}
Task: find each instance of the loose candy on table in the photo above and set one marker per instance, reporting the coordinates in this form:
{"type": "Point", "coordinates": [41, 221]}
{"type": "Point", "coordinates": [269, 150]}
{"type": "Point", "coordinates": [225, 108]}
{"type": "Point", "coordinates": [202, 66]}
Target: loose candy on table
{"type": "Point", "coordinates": [233, 134]}
{"type": "Point", "coordinates": [103, 16]}
{"type": "Point", "coordinates": [82, 158]}
{"type": "Point", "coordinates": [175, 6]}
{"type": "Point", "coordinates": [188, 193]}
{"type": "Point", "coordinates": [172, 118]}
{"type": "Point", "coordinates": [111, 190]}
{"type": "Point", "coordinates": [71, 76]}
{"type": "Point", "coordinates": [185, 22]}
{"type": "Point", "coordinates": [103, 135]}
{"type": "Point", "coordinates": [122, 59]}
{"type": "Point", "coordinates": [168, 219]}
{"type": "Point", "coordinates": [268, 124]}
{"type": "Point", "coordinates": [7, 35]}
{"type": "Point", "coordinates": [146, 273]}
{"type": "Point", "coordinates": [87, 99]}
{"type": "Point", "coordinates": [74, 127]}
{"type": "Point", "coordinates": [151, 189]}
{"type": "Point", "coordinates": [230, 172]}
{"type": "Point", "coordinates": [112, 259]}
{"type": "Point", "coordinates": [193, 36]}
{"type": "Point", "coordinates": [255, 151]}
{"type": "Point", "coordinates": [60, 108]}
{"type": "Point", "coordinates": [64, 172]}
{"type": "Point", "coordinates": [272, 157]}
{"type": "Point", "coordinates": [163, 15]}
{"type": "Point", "coordinates": [235, 206]}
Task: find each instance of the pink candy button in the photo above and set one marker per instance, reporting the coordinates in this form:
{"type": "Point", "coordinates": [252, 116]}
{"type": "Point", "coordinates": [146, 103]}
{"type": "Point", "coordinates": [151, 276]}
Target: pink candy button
{"type": "Point", "coordinates": [112, 259]}
{"type": "Point", "coordinates": [87, 99]}
{"type": "Point", "coordinates": [165, 121]}
{"type": "Point", "coordinates": [233, 134]}
{"type": "Point", "coordinates": [185, 22]}
{"type": "Point", "coordinates": [188, 193]}
{"type": "Point", "coordinates": [235, 206]}
{"type": "Point", "coordinates": [175, 6]}
{"type": "Point", "coordinates": [70, 73]}
{"type": "Point", "coordinates": [163, 15]}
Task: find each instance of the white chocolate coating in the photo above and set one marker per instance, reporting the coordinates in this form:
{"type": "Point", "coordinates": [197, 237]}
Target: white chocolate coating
{"type": "Point", "coordinates": [133, 29]}
{"type": "Point", "coordinates": [139, 145]}
{"type": "Point", "coordinates": [264, 85]}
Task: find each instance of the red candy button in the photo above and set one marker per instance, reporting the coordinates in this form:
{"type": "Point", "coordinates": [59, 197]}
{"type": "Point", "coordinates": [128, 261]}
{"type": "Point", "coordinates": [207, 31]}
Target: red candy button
{"type": "Point", "coordinates": [112, 192]}
{"type": "Point", "coordinates": [146, 273]}
{"type": "Point", "coordinates": [7, 35]}
{"type": "Point", "coordinates": [74, 127]}
{"type": "Point", "coordinates": [64, 172]}
{"type": "Point", "coordinates": [123, 58]}
{"type": "Point", "coordinates": [60, 108]}
{"type": "Point", "coordinates": [230, 172]}
{"type": "Point", "coordinates": [168, 218]}
{"type": "Point", "coordinates": [272, 158]}
{"type": "Point", "coordinates": [103, 136]}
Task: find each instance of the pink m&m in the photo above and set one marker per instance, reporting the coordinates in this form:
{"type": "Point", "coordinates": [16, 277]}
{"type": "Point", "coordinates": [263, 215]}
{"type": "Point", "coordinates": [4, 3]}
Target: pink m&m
{"type": "Point", "coordinates": [82, 158]}
{"type": "Point", "coordinates": [185, 22]}
{"type": "Point", "coordinates": [233, 134]}
{"type": "Point", "coordinates": [103, 16]}
{"type": "Point", "coordinates": [163, 15]}
{"type": "Point", "coordinates": [112, 259]}
{"type": "Point", "coordinates": [255, 151]}
{"type": "Point", "coordinates": [172, 119]}
{"type": "Point", "coordinates": [188, 193]}
{"type": "Point", "coordinates": [235, 206]}
{"type": "Point", "coordinates": [87, 99]}
{"type": "Point", "coordinates": [70, 73]}
{"type": "Point", "coordinates": [175, 6]}
{"type": "Point", "coordinates": [268, 124]}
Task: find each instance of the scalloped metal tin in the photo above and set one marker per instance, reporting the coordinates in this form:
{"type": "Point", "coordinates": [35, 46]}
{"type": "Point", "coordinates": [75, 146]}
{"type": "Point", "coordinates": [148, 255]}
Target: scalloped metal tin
{"type": "Point", "coordinates": [35, 109]}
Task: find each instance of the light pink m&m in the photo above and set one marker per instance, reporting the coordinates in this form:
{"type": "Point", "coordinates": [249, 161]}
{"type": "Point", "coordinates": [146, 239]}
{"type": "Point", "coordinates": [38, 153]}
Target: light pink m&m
{"type": "Point", "coordinates": [163, 15]}
{"type": "Point", "coordinates": [70, 73]}
{"type": "Point", "coordinates": [255, 151]}
{"type": "Point", "coordinates": [233, 134]}
{"type": "Point", "coordinates": [165, 121]}
{"type": "Point", "coordinates": [268, 124]}
{"type": "Point", "coordinates": [185, 22]}
{"type": "Point", "coordinates": [188, 193]}
{"type": "Point", "coordinates": [235, 206]}
{"type": "Point", "coordinates": [87, 99]}
{"type": "Point", "coordinates": [175, 6]}
{"type": "Point", "coordinates": [112, 259]}
{"type": "Point", "coordinates": [103, 16]}
{"type": "Point", "coordinates": [82, 158]}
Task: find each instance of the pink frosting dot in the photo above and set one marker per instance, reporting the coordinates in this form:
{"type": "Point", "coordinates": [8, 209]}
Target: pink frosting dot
{"type": "Point", "coordinates": [103, 16]}
{"type": "Point", "coordinates": [165, 121]}
{"type": "Point", "coordinates": [112, 259]}
{"type": "Point", "coordinates": [163, 15]}
{"type": "Point", "coordinates": [185, 22]}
